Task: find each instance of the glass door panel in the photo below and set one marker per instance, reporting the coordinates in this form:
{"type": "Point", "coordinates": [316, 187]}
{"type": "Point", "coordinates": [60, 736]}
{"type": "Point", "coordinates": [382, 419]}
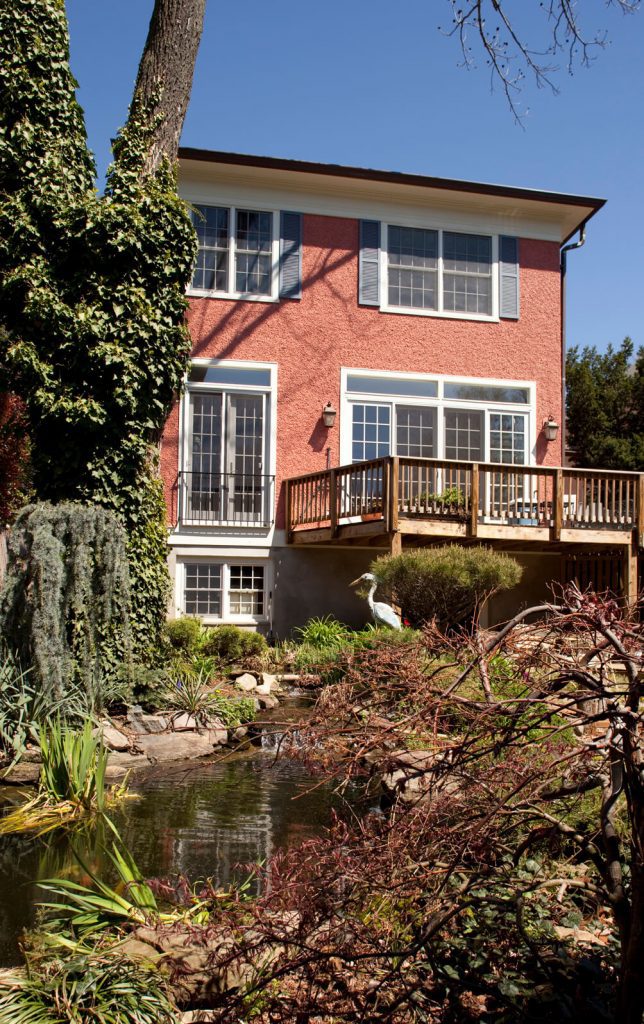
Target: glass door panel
{"type": "Point", "coordinates": [244, 456]}
{"type": "Point", "coordinates": [416, 439]}
{"type": "Point", "coordinates": [204, 493]}
{"type": "Point", "coordinates": [508, 447]}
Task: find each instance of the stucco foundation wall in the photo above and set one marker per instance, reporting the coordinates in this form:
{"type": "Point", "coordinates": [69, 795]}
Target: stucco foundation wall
{"type": "Point", "coordinates": [311, 339]}
{"type": "Point", "coordinates": [310, 582]}
{"type": "Point", "coordinates": [539, 570]}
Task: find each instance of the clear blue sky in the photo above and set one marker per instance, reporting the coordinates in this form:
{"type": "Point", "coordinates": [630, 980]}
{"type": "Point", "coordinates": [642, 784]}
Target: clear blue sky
{"type": "Point", "coordinates": [376, 84]}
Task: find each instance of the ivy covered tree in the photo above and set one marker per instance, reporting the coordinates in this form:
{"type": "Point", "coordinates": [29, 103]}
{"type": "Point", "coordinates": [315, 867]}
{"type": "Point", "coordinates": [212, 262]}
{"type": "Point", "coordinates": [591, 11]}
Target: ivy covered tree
{"type": "Point", "coordinates": [92, 288]}
{"type": "Point", "coordinates": [605, 406]}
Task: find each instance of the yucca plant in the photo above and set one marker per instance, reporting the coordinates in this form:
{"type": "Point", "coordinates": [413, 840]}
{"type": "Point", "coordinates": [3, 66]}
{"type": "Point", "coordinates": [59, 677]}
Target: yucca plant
{"type": "Point", "coordinates": [72, 782]}
{"type": "Point", "coordinates": [194, 696]}
{"type": "Point", "coordinates": [323, 632]}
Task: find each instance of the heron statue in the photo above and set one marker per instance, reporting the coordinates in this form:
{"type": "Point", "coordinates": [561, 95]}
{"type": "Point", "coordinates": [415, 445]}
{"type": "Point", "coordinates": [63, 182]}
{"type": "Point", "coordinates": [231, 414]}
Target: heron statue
{"type": "Point", "coordinates": [383, 614]}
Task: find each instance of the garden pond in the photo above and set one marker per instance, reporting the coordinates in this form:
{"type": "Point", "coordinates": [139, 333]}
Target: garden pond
{"type": "Point", "coordinates": [199, 819]}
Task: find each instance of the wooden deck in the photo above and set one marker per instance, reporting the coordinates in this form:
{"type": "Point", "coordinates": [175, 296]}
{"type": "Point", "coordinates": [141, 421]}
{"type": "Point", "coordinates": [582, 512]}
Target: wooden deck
{"type": "Point", "coordinates": [382, 501]}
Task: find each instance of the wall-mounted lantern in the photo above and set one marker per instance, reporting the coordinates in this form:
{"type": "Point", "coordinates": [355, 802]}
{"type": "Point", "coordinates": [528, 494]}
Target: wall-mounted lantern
{"type": "Point", "coordinates": [551, 429]}
{"type": "Point", "coordinates": [328, 415]}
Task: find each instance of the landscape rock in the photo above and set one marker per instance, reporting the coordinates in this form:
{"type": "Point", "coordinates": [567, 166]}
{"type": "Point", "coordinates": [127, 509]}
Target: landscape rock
{"type": "Point", "coordinates": [135, 949]}
{"type": "Point", "coordinates": [31, 755]}
{"type": "Point", "coordinates": [263, 689]}
{"type": "Point", "coordinates": [267, 702]}
{"type": "Point", "coordinates": [173, 747]}
{"type": "Point", "coordinates": [126, 759]}
{"type": "Point", "coordinates": [184, 722]}
{"type": "Point", "coordinates": [113, 738]}
{"type": "Point", "coordinates": [270, 680]}
{"type": "Point", "coordinates": [412, 775]}
{"type": "Point", "coordinates": [21, 774]}
{"type": "Point", "coordinates": [217, 736]}
{"type": "Point", "coordinates": [114, 772]}
{"type": "Point", "coordinates": [246, 682]}
{"type": "Point", "coordinates": [144, 723]}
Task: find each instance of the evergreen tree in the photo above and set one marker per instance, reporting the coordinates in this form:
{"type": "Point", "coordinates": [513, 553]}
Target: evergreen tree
{"type": "Point", "coordinates": [605, 407]}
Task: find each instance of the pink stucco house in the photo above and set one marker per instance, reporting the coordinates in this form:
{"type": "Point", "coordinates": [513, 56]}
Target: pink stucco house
{"type": "Point", "coordinates": [377, 362]}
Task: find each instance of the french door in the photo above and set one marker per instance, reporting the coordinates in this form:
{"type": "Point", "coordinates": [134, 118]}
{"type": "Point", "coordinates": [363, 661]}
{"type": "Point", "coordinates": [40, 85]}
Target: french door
{"type": "Point", "coordinates": [226, 457]}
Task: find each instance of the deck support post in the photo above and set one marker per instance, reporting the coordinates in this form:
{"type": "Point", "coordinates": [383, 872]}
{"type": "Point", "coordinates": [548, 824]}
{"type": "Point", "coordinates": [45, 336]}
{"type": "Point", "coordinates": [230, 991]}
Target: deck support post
{"type": "Point", "coordinates": [395, 543]}
{"type": "Point", "coordinates": [631, 573]}
{"type": "Point", "coordinates": [392, 503]}
{"type": "Point", "coordinates": [474, 500]}
{"type": "Point", "coordinates": [333, 501]}
{"type": "Point", "coordinates": [287, 512]}
{"type": "Point", "coordinates": [640, 511]}
{"type": "Point", "coordinates": [557, 502]}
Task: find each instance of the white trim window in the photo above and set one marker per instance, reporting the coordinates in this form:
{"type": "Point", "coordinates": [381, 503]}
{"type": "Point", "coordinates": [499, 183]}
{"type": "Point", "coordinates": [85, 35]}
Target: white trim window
{"type": "Point", "coordinates": [223, 591]}
{"type": "Point", "coordinates": [435, 272]}
{"type": "Point", "coordinates": [226, 468]}
{"type": "Point", "coordinates": [422, 416]}
{"type": "Point", "coordinates": [238, 252]}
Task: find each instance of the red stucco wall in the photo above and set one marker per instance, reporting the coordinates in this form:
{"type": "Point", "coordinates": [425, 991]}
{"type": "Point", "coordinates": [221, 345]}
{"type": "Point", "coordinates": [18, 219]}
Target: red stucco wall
{"type": "Point", "coordinates": [311, 339]}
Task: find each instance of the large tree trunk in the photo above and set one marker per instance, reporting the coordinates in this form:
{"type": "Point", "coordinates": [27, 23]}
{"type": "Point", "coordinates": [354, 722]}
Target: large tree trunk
{"type": "Point", "coordinates": [166, 71]}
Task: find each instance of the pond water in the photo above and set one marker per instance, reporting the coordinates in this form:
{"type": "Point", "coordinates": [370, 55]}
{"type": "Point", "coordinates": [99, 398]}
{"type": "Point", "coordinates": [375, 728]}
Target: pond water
{"type": "Point", "coordinates": [194, 818]}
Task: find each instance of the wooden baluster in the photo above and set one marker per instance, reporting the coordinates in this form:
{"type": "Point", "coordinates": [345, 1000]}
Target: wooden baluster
{"type": "Point", "coordinates": [474, 500]}
{"type": "Point", "coordinates": [557, 500]}
{"type": "Point", "coordinates": [393, 493]}
{"type": "Point", "coordinates": [333, 502]}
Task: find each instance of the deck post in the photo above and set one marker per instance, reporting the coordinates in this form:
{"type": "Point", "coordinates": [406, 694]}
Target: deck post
{"type": "Point", "coordinates": [630, 574]}
{"type": "Point", "coordinates": [393, 494]}
{"type": "Point", "coordinates": [557, 501]}
{"type": "Point", "coordinates": [395, 543]}
{"type": "Point", "coordinates": [639, 523]}
{"type": "Point", "coordinates": [333, 501]}
{"type": "Point", "coordinates": [474, 500]}
{"type": "Point", "coordinates": [287, 511]}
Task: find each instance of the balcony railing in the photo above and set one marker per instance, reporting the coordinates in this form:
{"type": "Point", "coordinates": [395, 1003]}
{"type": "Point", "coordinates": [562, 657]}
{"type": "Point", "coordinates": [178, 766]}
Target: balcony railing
{"type": "Point", "coordinates": [394, 491]}
{"type": "Point", "coordinates": [226, 499]}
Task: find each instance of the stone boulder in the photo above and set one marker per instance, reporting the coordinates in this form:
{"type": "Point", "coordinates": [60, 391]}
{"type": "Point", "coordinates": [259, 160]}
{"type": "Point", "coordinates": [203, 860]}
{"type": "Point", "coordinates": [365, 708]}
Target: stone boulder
{"type": "Point", "coordinates": [141, 722]}
{"type": "Point", "coordinates": [270, 681]}
{"type": "Point", "coordinates": [175, 746]}
{"type": "Point", "coordinates": [414, 776]}
{"type": "Point", "coordinates": [184, 722]}
{"type": "Point", "coordinates": [246, 682]}
{"type": "Point", "coordinates": [266, 701]}
{"type": "Point", "coordinates": [112, 737]}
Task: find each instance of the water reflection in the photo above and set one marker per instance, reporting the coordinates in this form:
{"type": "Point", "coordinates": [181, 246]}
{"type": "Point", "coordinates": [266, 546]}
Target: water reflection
{"type": "Point", "coordinates": [195, 819]}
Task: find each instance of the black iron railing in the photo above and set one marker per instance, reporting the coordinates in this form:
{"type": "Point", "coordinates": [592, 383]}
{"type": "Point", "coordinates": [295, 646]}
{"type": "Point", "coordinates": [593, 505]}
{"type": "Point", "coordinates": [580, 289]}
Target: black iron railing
{"type": "Point", "coordinates": [226, 499]}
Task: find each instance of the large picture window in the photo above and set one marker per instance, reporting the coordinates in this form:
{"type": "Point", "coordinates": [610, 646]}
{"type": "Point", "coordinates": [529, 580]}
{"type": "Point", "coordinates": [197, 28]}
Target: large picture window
{"type": "Point", "coordinates": [237, 252]}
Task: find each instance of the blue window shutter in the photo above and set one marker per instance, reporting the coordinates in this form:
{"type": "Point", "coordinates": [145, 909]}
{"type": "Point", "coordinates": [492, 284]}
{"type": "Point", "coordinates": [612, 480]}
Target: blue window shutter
{"type": "Point", "coordinates": [369, 273]}
{"type": "Point", "coordinates": [290, 255]}
{"type": "Point", "coordinates": [509, 277]}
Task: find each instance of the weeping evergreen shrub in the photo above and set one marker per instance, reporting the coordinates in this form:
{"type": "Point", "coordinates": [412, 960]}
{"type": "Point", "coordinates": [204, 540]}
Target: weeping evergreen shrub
{"type": "Point", "coordinates": [65, 604]}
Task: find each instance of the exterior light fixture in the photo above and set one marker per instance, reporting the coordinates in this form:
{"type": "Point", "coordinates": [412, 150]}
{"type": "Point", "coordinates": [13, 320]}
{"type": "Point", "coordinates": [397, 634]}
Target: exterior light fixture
{"type": "Point", "coordinates": [328, 415]}
{"type": "Point", "coordinates": [551, 428]}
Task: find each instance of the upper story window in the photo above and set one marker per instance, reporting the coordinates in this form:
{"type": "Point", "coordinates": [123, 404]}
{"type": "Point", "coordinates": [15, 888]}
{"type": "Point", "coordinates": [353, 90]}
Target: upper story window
{"type": "Point", "coordinates": [431, 271]}
{"type": "Point", "coordinates": [439, 271]}
{"type": "Point", "coordinates": [238, 252]}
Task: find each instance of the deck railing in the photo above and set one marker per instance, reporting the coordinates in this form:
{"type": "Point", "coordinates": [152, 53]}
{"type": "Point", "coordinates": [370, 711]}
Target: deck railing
{"type": "Point", "coordinates": [389, 489]}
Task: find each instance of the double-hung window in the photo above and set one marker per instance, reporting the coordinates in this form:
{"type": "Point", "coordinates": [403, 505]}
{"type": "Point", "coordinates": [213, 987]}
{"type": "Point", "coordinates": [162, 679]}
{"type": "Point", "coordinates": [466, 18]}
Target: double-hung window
{"type": "Point", "coordinates": [219, 591]}
{"type": "Point", "coordinates": [237, 252]}
{"type": "Point", "coordinates": [443, 272]}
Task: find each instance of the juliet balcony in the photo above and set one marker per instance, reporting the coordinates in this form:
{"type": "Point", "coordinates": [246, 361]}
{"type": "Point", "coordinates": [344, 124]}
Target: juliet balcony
{"type": "Point", "coordinates": [225, 499]}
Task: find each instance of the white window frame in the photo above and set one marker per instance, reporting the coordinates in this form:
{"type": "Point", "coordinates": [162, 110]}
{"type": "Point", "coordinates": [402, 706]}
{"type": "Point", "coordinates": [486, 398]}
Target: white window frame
{"type": "Point", "coordinates": [447, 314]}
{"type": "Point", "coordinates": [231, 293]}
{"type": "Point", "coordinates": [225, 563]}
{"type": "Point", "coordinates": [349, 398]}
{"type": "Point", "coordinates": [269, 393]}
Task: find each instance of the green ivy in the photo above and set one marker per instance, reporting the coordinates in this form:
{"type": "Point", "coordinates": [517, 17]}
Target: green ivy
{"type": "Point", "coordinates": [92, 296]}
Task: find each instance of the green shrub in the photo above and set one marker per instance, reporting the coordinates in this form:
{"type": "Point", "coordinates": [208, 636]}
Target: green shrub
{"type": "Point", "coordinates": [231, 644]}
{"type": "Point", "coordinates": [326, 632]}
{"type": "Point", "coordinates": [447, 584]}
{"type": "Point", "coordinates": [141, 684]}
{"type": "Point", "coordinates": [184, 634]}
{"type": "Point", "coordinates": [65, 604]}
